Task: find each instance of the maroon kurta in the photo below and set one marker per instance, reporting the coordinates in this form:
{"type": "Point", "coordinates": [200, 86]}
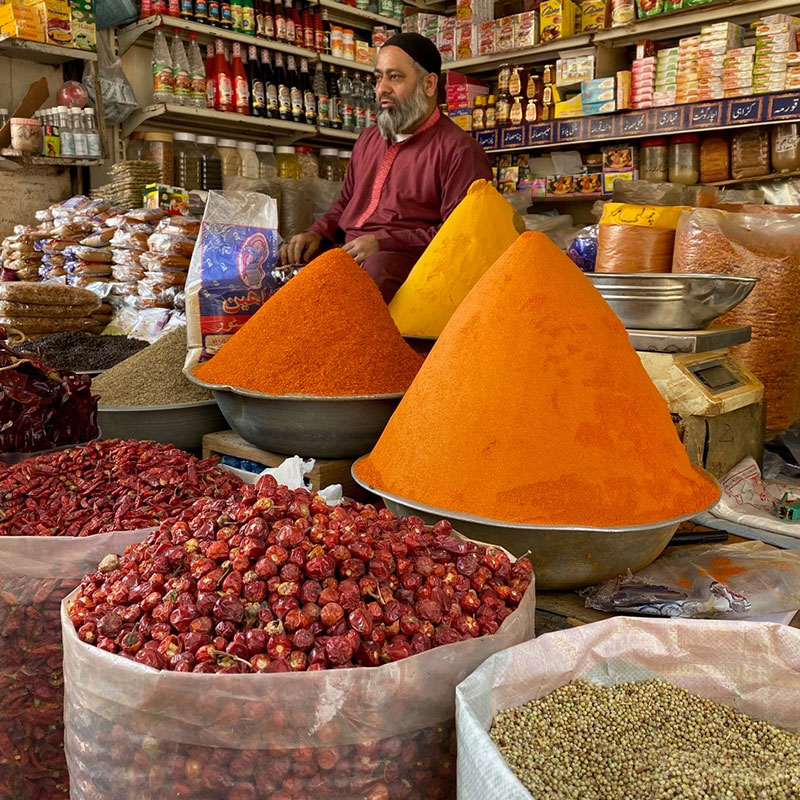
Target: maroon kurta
{"type": "Point", "coordinates": [402, 192]}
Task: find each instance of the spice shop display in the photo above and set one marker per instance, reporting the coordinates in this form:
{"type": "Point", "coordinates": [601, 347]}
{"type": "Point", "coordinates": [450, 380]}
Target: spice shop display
{"type": "Point", "coordinates": [333, 309]}
{"type": "Point", "coordinates": [453, 262]}
{"type": "Point", "coordinates": [693, 693]}
{"type": "Point", "coordinates": [41, 408]}
{"type": "Point", "coordinates": [371, 612]}
{"type": "Point", "coordinates": [548, 360]}
{"type": "Point", "coordinates": [152, 377]}
{"type": "Point", "coordinates": [36, 309]}
{"type": "Point", "coordinates": [762, 245]}
{"type": "Point", "coordinates": [82, 352]}
{"type": "Point", "coordinates": [63, 514]}
{"type": "Point", "coordinates": [128, 181]}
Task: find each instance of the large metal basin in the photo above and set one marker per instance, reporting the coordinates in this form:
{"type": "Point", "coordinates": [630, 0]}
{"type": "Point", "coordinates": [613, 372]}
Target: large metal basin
{"type": "Point", "coordinates": [181, 424]}
{"type": "Point", "coordinates": [307, 426]}
{"type": "Point", "coordinates": [674, 302]}
{"type": "Point", "coordinates": [562, 557]}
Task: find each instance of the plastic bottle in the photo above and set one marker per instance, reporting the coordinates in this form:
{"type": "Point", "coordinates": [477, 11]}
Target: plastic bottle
{"type": "Point", "coordinates": [162, 70]}
{"type": "Point", "coordinates": [210, 163]}
{"type": "Point", "coordinates": [329, 167]}
{"type": "Point", "coordinates": [344, 161]}
{"type": "Point", "coordinates": [267, 165]}
{"type": "Point", "coordinates": [186, 160]}
{"type": "Point", "coordinates": [78, 133]}
{"type": "Point", "coordinates": [197, 74]}
{"type": "Point", "coordinates": [250, 165]}
{"type": "Point", "coordinates": [346, 94]}
{"type": "Point", "coordinates": [231, 160]}
{"type": "Point", "coordinates": [180, 71]}
{"type": "Point", "coordinates": [93, 143]}
{"type": "Point", "coordinates": [65, 132]}
{"type": "Point", "coordinates": [241, 87]}
{"type": "Point", "coordinates": [223, 86]}
{"type": "Point", "coordinates": [288, 165]}
{"type": "Point", "coordinates": [323, 100]}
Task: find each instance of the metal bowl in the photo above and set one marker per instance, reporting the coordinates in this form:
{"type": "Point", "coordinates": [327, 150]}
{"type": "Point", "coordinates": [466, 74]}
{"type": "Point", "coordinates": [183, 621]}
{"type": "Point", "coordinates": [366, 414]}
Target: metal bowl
{"type": "Point", "coordinates": [305, 425]}
{"type": "Point", "coordinates": [181, 424]}
{"type": "Point", "coordinates": [648, 301]}
{"type": "Point", "coordinates": [563, 557]}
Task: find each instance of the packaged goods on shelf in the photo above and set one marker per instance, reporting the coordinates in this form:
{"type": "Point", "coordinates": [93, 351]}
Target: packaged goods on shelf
{"type": "Point", "coordinates": [557, 19]}
{"type": "Point", "coordinates": [594, 15]}
{"type": "Point", "coordinates": [23, 20]}
{"type": "Point", "coordinates": [84, 30]}
{"type": "Point", "coordinates": [623, 12]}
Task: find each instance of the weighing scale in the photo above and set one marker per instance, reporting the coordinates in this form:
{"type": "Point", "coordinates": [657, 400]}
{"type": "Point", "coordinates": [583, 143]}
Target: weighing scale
{"type": "Point", "coordinates": [717, 404]}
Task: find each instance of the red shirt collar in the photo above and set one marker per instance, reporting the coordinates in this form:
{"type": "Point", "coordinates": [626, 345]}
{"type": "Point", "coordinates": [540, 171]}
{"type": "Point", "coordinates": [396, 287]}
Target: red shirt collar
{"type": "Point", "coordinates": [427, 125]}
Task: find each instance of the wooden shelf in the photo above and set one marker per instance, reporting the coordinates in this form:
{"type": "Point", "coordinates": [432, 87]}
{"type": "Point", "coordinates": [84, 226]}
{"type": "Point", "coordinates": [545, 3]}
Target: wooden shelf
{"type": "Point", "coordinates": [335, 135]}
{"type": "Point", "coordinates": [346, 63]}
{"type": "Point", "coordinates": [45, 161]}
{"type": "Point", "coordinates": [530, 55]}
{"type": "Point", "coordinates": [772, 176]}
{"type": "Point", "coordinates": [340, 12]}
{"type": "Point", "coordinates": [42, 53]}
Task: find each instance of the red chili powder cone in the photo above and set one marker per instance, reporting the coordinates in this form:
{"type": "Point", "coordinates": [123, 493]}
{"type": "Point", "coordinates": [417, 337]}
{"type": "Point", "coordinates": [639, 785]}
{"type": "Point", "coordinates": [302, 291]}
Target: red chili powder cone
{"type": "Point", "coordinates": [534, 408]}
{"type": "Point", "coordinates": [326, 333]}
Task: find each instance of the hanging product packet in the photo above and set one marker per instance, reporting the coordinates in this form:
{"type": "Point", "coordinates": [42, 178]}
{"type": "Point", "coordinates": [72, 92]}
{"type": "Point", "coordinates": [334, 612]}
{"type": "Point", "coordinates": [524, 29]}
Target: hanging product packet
{"type": "Point", "coordinates": [230, 276]}
{"type": "Point", "coordinates": [751, 668]}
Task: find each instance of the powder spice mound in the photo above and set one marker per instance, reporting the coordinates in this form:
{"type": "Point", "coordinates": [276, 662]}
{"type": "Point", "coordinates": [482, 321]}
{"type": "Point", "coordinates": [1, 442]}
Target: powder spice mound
{"type": "Point", "coordinates": [326, 333]}
{"type": "Point", "coordinates": [533, 408]}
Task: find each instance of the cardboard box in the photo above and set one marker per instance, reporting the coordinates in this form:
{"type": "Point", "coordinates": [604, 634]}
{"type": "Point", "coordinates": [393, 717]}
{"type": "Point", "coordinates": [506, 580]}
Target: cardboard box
{"type": "Point", "coordinates": [526, 32]}
{"type": "Point", "coordinates": [590, 109]}
{"type": "Point", "coordinates": [566, 109]}
{"type": "Point", "coordinates": [21, 20]}
{"type": "Point", "coordinates": [466, 40]}
{"type": "Point", "coordinates": [610, 177]}
{"type": "Point", "coordinates": [486, 38]}
{"type": "Point", "coordinates": [559, 185]}
{"type": "Point", "coordinates": [594, 15]}
{"type": "Point", "coordinates": [556, 19]}
{"type": "Point", "coordinates": [620, 157]}
{"type": "Point", "coordinates": [58, 22]}
{"type": "Point", "coordinates": [474, 11]}
{"type": "Point", "coordinates": [505, 32]}
{"type": "Point", "coordinates": [624, 88]}
{"type": "Point", "coordinates": [575, 70]}
{"type": "Point", "coordinates": [462, 118]}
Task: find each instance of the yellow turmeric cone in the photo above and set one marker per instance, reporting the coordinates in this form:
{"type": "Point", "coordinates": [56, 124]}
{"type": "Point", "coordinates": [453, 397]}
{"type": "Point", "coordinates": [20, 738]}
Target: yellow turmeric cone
{"type": "Point", "coordinates": [474, 236]}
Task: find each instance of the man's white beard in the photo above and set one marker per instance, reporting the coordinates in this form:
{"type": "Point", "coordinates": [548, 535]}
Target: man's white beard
{"type": "Point", "coordinates": [404, 115]}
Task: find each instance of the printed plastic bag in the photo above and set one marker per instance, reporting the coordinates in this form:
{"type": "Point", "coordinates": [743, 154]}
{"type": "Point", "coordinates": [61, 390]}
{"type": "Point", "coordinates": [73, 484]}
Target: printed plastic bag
{"type": "Point", "coordinates": [230, 276]}
{"type": "Point", "coordinates": [111, 13]}
{"type": "Point", "coordinates": [133, 733]}
{"type": "Point", "coordinates": [764, 246]}
{"type": "Point", "coordinates": [119, 100]}
{"type": "Point", "coordinates": [36, 573]}
{"type": "Point", "coordinates": [751, 667]}
{"type": "Point", "coordinates": [713, 581]}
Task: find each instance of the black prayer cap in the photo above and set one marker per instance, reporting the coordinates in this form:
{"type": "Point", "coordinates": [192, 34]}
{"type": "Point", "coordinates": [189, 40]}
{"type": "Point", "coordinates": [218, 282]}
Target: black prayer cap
{"type": "Point", "coordinates": [420, 48]}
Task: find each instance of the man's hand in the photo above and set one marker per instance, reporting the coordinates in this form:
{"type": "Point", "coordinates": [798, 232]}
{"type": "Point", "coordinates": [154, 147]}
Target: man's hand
{"type": "Point", "coordinates": [362, 248]}
{"type": "Point", "coordinates": [300, 248]}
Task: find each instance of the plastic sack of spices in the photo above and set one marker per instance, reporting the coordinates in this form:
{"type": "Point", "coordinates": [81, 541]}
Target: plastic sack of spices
{"type": "Point", "coordinates": [764, 246]}
{"type": "Point", "coordinates": [36, 573]}
{"type": "Point", "coordinates": [135, 733]}
{"type": "Point", "coordinates": [751, 667]}
{"type": "Point", "coordinates": [746, 579]}
{"type": "Point", "coordinates": [230, 276]}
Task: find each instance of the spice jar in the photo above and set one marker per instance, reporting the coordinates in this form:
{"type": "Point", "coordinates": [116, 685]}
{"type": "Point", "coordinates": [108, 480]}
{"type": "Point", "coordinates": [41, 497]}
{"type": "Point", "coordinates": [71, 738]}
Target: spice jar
{"type": "Point", "coordinates": [158, 148]}
{"type": "Point", "coordinates": [503, 78]}
{"type": "Point", "coordinates": [785, 148]}
{"type": "Point", "coordinates": [231, 160]}
{"type": "Point", "coordinates": [750, 153]}
{"type": "Point", "coordinates": [715, 158]}
{"type": "Point", "coordinates": [267, 165]}
{"type": "Point", "coordinates": [654, 161]}
{"type": "Point", "coordinates": [288, 165]}
{"type": "Point", "coordinates": [135, 149]}
{"type": "Point", "coordinates": [210, 163]}
{"type": "Point", "coordinates": [26, 135]}
{"type": "Point", "coordinates": [309, 166]}
{"type": "Point", "coordinates": [344, 162]}
{"type": "Point", "coordinates": [503, 111]}
{"type": "Point", "coordinates": [684, 159]}
{"type": "Point", "coordinates": [249, 159]}
{"type": "Point", "coordinates": [186, 161]}
{"type": "Point", "coordinates": [329, 167]}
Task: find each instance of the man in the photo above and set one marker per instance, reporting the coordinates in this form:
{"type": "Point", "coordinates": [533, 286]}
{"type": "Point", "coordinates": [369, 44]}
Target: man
{"type": "Point", "coordinates": [406, 175]}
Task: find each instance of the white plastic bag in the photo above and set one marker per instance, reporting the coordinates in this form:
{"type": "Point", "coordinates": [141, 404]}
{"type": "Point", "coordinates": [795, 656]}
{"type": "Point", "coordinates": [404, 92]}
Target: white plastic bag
{"type": "Point", "coordinates": [752, 667]}
{"type": "Point", "coordinates": [709, 581]}
{"type": "Point", "coordinates": [134, 733]}
{"type": "Point", "coordinates": [36, 573]}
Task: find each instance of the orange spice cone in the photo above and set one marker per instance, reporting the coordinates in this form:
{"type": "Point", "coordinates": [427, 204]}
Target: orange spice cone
{"type": "Point", "coordinates": [326, 333]}
{"type": "Point", "coordinates": [534, 408]}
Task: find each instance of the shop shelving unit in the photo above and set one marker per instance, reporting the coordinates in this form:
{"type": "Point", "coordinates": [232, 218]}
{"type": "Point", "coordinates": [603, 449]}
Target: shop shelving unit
{"type": "Point", "coordinates": [42, 53]}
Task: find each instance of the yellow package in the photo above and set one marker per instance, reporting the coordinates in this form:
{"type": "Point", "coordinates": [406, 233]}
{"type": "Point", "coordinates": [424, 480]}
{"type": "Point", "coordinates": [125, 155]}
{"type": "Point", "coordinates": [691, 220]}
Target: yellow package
{"type": "Point", "coordinates": [21, 20]}
{"type": "Point", "coordinates": [480, 229]}
{"type": "Point", "coordinates": [567, 109]}
{"type": "Point", "coordinates": [642, 216]}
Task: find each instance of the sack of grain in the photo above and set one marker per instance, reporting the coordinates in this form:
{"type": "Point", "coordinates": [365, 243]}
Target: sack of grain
{"type": "Point", "coordinates": [9, 308]}
{"type": "Point", "coordinates": [767, 247]}
{"type": "Point", "coordinates": [48, 294]}
{"type": "Point", "coordinates": [751, 667]}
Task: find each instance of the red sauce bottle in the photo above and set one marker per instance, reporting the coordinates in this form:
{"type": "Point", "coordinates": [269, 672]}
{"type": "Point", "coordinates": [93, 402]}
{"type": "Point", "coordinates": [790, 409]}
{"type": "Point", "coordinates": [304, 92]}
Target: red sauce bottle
{"type": "Point", "coordinates": [223, 100]}
{"type": "Point", "coordinates": [241, 86]}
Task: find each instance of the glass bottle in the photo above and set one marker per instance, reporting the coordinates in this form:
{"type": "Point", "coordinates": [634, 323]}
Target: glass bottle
{"type": "Point", "coordinates": [321, 93]}
{"type": "Point", "coordinates": [280, 21]}
{"type": "Point", "coordinates": [180, 70]}
{"type": "Point", "coordinates": [93, 143]}
{"type": "Point", "coordinates": [309, 166]}
{"type": "Point", "coordinates": [214, 13]}
{"type": "Point", "coordinates": [134, 150]}
{"type": "Point", "coordinates": [479, 114]}
{"type": "Point", "coordinates": [241, 87]}
{"type": "Point", "coordinates": [503, 110]}
{"type": "Point", "coordinates": [329, 167]}
{"type": "Point", "coordinates": [284, 96]}
{"type": "Point", "coordinates": [308, 28]}
{"type": "Point", "coordinates": [258, 97]}
{"type": "Point", "coordinates": [299, 35]}
{"type": "Point", "coordinates": [223, 85]}
{"type": "Point", "coordinates": [187, 10]}
{"type": "Point", "coordinates": [225, 15]}
{"type": "Point", "coordinates": [200, 11]}
{"type": "Point", "coordinates": [65, 132]}
{"type": "Point", "coordinates": [359, 105]}
{"type": "Point", "coordinates": [79, 134]}
{"type": "Point", "coordinates": [211, 88]}
{"type": "Point", "coordinates": [197, 74]}
{"type": "Point", "coordinates": [326, 32]}
{"type": "Point", "coordinates": [270, 86]}
{"type": "Point", "coordinates": [335, 100]}
{"type": "Point", "coordinates": [319, 39]}
{"type": "Point", "coordinates": [248, 18]}
{"type": "Point", "coordinates": [162, 70]}
{"type": "Point", "coordinates": [268, 16]}
{"type": "Point", "coordinates": [344, 161]}
{"type": "Point", "coordinates": [295, 92]}
{"type": "Point", "coordinates": [309, 98]}
{"type": "Point", "coordinates": [491, 112]}
{"type": "Point", "coordinates": [346, 94]}
{"type": "Point", "coordinates": [289, 22]}
{"type": "Point", "coordinates": [236, 16]}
